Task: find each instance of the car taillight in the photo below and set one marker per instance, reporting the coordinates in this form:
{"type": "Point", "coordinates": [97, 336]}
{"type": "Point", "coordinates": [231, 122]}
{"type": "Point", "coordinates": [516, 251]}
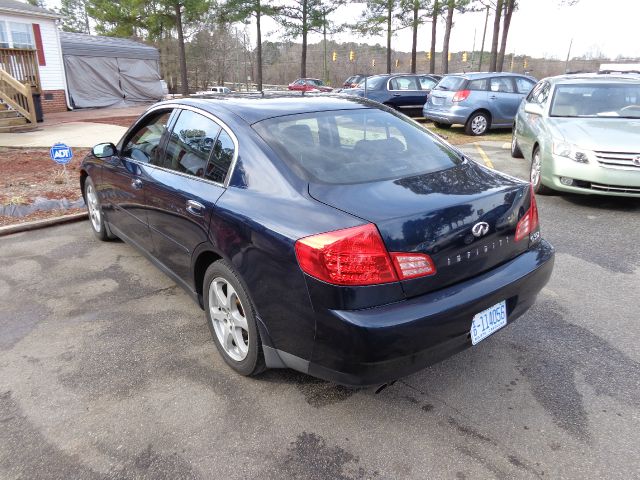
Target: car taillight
{"type": "Point", "coordinates": [529, 222]}
{"type": "Point", "coordinates": [461, 95]}
{"type": "Point", "coordinates": [357, 256]}
{"type": "Point", "coordinates": [412, 265]}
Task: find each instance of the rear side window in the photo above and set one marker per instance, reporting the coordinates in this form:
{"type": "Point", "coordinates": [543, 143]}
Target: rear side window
{"type": "Point", "coordinates": [481, 84]}
{"type": "Point", "coordinates": [426, 83]}
{"type": "Point", "coordinates": [221, 159]}
{"type": "Point", "coordinates": [354, 146]}
{"type": "Point", "coordinates": [190, 143]}
{"type": "Point", "coordinates": [450, 82]}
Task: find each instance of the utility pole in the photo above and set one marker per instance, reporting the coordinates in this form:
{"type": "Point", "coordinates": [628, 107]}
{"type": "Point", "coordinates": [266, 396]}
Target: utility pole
{"type": "Point", "coordinates": [566, 63]}
{"type": "Point", "coordinates": [484, 35]}
{"type": "Point", "coordinates": [473, 50]}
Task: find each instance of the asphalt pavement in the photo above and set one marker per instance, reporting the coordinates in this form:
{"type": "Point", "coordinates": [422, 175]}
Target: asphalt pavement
{"type": "Point", "coordinates": [108, 370]}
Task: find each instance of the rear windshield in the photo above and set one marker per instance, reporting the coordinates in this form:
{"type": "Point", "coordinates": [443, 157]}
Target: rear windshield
{"type": "Point", "coordinates": [450, 83]}
{"type": "Point", "coordinates": [373, 82]}
{"type": "Point", "coordinates": [353, 146]}
{"type": "Point", "coordinates": [597, 100]}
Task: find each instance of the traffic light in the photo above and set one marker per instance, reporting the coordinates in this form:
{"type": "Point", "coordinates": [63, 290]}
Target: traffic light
{"type": "Point", "coordinates": [429, 55]}
{"type": "Point", "coordinates": [525, 63]}
{"type": "Point", "coordinates": [397, 62]}
{"type": "Point", "coordinates": [352, 55]}
{"type": "Point", "coordinates": [449, 56]}
{"type": "Point", "coordinates": [373, 62]}
{"type": "Point", "coordinates": [464, 57]}
{"type": "Point", "coordinates": [334, 56]}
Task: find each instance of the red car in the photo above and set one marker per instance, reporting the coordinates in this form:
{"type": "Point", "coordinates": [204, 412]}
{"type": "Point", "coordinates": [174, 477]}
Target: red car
{"type": "Point", "coordinates": [309, 85]}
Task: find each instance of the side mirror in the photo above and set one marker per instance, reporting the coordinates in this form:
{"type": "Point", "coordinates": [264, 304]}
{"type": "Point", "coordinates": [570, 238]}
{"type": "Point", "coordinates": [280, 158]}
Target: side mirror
{"type": "Point", "coordinates": [533, 108]}
{"type": "Point", "coordinates": [104, 150]}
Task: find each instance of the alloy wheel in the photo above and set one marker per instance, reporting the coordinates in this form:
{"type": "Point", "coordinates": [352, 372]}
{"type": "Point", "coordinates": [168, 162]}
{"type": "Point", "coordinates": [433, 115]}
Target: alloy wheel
{"type": "Point", "coordinates": [478, 124]}
{"type": "Point", "coordinates": [535, 168]}
{"type": "Point", "coordinates": [94, 208]}
{"type": "Point", "coordinates": [228, 318]}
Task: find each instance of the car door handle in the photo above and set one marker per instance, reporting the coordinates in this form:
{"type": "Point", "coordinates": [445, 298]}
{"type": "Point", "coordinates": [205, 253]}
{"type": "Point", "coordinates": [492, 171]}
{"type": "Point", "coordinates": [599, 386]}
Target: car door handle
{"type": "Point", "coordinates": [397, 95]}
{"type": "Point", "coordinates": [493, 97]}
{"type": "Point", "coordinates": [136, 183]}
{"type": "Point", "coordinates": [195, 208]}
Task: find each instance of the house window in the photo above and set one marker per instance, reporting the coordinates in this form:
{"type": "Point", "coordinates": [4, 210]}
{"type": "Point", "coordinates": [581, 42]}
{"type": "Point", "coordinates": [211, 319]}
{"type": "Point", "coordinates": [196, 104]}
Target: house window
{"type": "Point", "coordinates": [4, 38]}
{"type": "Point", "coordinates": [21, 35]}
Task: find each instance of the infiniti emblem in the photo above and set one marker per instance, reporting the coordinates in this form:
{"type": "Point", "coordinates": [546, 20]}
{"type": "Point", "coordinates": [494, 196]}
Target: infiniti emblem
{"type": "Point", "coordinates": [480, 229]}
{"type": "Point", "coordinates": [636, 161]}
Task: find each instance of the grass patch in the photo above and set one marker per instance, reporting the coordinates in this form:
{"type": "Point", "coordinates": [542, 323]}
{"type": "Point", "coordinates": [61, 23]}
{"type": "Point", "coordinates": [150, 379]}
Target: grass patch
{"type": "Point", "coordinates": [456, 136]}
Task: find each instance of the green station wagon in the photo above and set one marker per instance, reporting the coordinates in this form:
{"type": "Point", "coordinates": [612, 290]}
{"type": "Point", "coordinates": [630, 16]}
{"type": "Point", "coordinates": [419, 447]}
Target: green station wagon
{"type": "Point", "coordinates": [582, 134]}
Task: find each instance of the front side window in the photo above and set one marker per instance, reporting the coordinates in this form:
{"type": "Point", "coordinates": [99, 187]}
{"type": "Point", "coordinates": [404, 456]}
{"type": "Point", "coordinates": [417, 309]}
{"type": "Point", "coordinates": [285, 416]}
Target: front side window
{"type": "Point", "coordinates": [144, 144]}
{"type": "Point", "coordinates": [192, 139]}
{"type": "Point", "coordinates": [523, 85]}
{"type": "Point", "coordinates": [540, 93]}
{"type": "Point", "coordinates": [354, 146]}
{"type": "Point", "coordinates": [21, 35]}
{"type": "Point", "coordinates": [501, 85]}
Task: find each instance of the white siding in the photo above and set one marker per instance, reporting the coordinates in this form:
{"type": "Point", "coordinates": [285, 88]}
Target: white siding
{"type": "Point", "coordinates": [51, 74]}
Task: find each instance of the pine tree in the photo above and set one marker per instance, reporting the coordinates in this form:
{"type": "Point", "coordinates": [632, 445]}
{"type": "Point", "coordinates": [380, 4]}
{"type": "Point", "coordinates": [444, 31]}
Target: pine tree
{"type": "Point", "coordinates": [74, 16]}
{"type": "Point", "coordinates": [244, 11]}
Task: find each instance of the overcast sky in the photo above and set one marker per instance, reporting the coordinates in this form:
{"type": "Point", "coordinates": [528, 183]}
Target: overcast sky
{"type": "Point", "coordinates": [538, 28]}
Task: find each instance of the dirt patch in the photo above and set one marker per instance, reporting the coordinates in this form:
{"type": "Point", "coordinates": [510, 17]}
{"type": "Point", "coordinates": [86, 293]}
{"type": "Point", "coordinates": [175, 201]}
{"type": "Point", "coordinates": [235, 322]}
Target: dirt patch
{"type": "Point", "coordinates": [30, 173]}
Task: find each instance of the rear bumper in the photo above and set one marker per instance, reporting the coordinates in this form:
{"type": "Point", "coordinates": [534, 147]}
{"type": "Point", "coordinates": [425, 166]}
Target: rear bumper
{"type": "Point", "coordinates": [376, 345]}
{"type": "Point", "coordinates": [454, 114]}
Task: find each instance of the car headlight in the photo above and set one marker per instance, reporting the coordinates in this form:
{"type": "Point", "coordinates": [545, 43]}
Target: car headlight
{"type": "Point", "coordinates": [564, 149]}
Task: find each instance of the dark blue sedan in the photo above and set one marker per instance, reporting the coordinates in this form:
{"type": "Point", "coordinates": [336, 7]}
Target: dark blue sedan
{"type": "Point", "coordinates": [326, 234]}
{"type": "Point", "coordinates": [404, 92]}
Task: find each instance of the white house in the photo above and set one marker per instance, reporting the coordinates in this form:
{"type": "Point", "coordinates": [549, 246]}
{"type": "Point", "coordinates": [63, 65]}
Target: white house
{"type": "Point", "coordinates": [29, 35]}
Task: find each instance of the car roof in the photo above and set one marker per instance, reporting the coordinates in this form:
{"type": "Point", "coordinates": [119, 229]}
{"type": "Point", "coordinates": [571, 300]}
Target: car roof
{"type": "Point", "coordinates": [595, 78]}
{"type": "Point", "coordinates": [481, 75]}
{"type": "Point", "coordinates": [254, 107]}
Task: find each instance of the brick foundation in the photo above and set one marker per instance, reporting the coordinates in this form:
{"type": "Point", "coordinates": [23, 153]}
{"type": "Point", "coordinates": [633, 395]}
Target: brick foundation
{"type": "Point", "coordinates": [53, 101]}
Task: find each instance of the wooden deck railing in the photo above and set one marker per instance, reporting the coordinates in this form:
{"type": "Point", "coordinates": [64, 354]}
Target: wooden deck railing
{"type": "Point", "coordinates": [17, 95]}
{"type": "Point", "coordinates": [21, 64]}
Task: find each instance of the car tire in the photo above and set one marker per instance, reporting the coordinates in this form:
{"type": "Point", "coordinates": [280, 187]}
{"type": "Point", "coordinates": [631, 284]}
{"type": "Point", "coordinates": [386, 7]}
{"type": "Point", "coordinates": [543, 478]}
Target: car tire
{"type": "Point", "coordinates": [443, 126]}
{"type": "Point", "coordinates": [231, 319]}
{"type": "Point", "coordinates": [99, 225]}
{"type": "Point", "coordinates": [477, 124]}
{"type": "Point", "coordinates": [515, 149]}
{"type": "Point", "coordinates": [535, 175]}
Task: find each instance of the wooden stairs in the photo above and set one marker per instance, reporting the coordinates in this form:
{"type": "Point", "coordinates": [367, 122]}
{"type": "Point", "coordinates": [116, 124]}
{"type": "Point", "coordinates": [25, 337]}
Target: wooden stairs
{"type": "Point", "coordinates": [12, 121]}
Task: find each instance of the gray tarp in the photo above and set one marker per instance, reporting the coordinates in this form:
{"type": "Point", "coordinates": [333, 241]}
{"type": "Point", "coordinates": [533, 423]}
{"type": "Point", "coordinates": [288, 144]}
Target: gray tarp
{"type": "Point", "coordinates": [106, 71]}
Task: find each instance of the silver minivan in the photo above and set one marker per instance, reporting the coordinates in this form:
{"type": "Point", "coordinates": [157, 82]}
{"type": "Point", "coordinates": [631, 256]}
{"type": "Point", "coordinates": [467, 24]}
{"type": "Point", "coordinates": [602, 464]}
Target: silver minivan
{"type": "Point", "coordinates": [479, 101]}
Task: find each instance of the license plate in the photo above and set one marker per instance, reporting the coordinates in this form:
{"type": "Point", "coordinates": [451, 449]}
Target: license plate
{"type": "Point", "coordinates": [437, 100]}
{"type": "Point", "coordinates": [488, 321]}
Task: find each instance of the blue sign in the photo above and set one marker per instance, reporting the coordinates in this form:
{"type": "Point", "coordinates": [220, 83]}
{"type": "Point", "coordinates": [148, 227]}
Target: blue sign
{"type": "Point", "coordinates": [61, 153]}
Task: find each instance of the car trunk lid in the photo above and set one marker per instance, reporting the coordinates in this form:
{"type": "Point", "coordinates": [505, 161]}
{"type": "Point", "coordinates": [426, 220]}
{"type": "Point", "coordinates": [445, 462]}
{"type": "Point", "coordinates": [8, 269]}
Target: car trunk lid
{"type": "Point", "coordinates": [464, 218]}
